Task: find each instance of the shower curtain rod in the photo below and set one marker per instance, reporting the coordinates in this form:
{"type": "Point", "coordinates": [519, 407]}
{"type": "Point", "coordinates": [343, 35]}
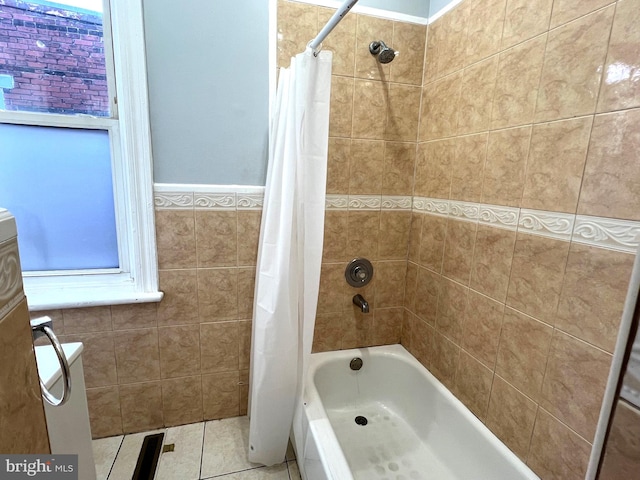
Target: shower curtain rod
{"type": "Point", "coordinates": [331, 24]}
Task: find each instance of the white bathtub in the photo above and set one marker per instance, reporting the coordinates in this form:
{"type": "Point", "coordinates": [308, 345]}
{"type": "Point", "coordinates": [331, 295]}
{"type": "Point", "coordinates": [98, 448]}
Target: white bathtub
{"type": "Point", "coordinates": [416, 428]}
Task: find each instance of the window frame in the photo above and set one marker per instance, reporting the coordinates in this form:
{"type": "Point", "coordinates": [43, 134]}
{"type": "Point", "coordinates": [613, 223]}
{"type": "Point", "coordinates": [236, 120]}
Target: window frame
{"type": "Point", "coordinates": [136, 280]}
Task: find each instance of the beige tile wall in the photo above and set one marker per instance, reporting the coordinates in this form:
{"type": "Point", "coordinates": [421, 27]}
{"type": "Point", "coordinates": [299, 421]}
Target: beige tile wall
{"type": "Point", "coordinates": [372, 150]}
{"type": "Point", "coordinates": [532, 105]}
{"type": "Point", "coordinates": [187, 358]}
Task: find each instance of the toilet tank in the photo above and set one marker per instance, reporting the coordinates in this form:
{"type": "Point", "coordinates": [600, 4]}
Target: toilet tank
{"type": "Point", "coordinates": [68, 424]}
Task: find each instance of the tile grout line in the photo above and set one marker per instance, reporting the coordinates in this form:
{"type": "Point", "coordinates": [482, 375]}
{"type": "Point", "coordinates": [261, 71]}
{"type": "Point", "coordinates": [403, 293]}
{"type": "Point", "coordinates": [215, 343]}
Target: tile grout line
{"type": "Point", "coordinates": [115, 457]}
{"type": "Point", "coordinates": [204, 431]}
{"type": "Point", "coordinates": [595, 113]}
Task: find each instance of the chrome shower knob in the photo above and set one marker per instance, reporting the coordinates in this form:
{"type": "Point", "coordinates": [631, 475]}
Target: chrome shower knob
{"type": "Point", "coordinates": [359, 272]}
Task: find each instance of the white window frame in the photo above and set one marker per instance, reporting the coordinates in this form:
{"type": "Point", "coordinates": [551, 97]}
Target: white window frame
{"type": "Point", "coordinates": [136, 280]}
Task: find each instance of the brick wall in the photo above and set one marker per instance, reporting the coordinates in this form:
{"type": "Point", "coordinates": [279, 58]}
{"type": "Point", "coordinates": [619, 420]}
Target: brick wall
{"type": "Point", "coordinates": [56, 58]}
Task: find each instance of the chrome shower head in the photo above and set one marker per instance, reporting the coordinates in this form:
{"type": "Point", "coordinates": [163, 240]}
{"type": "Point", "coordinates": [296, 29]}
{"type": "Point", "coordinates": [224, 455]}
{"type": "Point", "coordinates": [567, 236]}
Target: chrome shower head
{"type": "Point", "coordinates": [385, 54]}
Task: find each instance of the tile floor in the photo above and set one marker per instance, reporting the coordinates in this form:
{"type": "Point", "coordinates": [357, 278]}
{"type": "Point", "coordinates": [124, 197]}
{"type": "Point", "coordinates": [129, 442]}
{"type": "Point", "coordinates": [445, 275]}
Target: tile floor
{"type": "Point", "coordinates": [215, 449]}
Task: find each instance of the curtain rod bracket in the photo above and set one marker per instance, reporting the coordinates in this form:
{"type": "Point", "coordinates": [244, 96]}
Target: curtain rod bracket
{"type": "Point", "coordinates": [316, 51]}
{"type": "Point", "coordinates": [339, 14]}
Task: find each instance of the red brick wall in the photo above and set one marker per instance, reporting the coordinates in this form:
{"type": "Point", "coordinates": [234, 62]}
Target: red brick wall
{"type": "Point", "coordinates": [56, 58]}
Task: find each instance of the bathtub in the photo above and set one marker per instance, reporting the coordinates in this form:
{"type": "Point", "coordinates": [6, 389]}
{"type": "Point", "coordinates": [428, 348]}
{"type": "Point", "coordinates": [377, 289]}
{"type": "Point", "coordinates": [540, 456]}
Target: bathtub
{"type": "Point", "coordinates": [415, 428]}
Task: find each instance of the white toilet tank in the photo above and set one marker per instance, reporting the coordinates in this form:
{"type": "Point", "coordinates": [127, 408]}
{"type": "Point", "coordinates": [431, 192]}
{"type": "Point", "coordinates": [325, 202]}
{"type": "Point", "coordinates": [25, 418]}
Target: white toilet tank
{"type": "Point", "coordinates": [68, 425]}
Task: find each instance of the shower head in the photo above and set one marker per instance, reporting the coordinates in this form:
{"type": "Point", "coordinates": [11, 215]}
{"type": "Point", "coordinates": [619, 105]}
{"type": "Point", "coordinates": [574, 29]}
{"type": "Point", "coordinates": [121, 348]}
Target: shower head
{"type": "Point", "coordinates": [385, 54]}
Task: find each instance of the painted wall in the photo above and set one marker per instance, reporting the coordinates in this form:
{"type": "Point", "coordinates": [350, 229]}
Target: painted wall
{"type": "Point", "coordinates": [418, 8]}
{"type": "Point", "coordinates": [208, 89]}
{"type": "Point", "coordinates": [436, 5]}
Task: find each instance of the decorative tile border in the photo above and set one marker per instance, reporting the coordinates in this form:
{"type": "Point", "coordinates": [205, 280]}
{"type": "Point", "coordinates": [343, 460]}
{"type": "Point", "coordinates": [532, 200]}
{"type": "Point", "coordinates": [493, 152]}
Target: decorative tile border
{"type": "Point", "coordinates": [214, 201]}
{"type": "Point", "coordinates": [610, 233]}
{"type": "Point", "coordinates": [622, 235]}
{"type": "Point", "coordinates": [170, 196]}
{"type": "Point", "coordinates": [396, 202]}
{"type": "Point", "coordinates": [250, 201]}
{"type": "Point", "coordinates": [499, 217]}
{"type": "Point", "coordinates": [173, 200]}
{"type": "Point", "coordinates": [468, 212]}
{"type": "Point", "coordinates": [175, 197]}
{"type": "Point", "coordinates": [368, 202]}
{"type": "Point", "coordinates": [214, 197]}
{"type": "Point", "coordinates": [337, 202]}
{"type": "Point", "coordinates": [365, 202]}
{"type": "Point", "coordinates": [546, 224]}
{"type": "Point", "coordinates": [613, 234]}
{"type": "Point", "coordinates": [433, 206]}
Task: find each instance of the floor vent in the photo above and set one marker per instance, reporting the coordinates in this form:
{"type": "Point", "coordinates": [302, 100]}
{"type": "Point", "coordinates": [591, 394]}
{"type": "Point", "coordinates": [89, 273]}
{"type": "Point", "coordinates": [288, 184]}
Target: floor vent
{"type": "Point", "coordinates": [149, 456]}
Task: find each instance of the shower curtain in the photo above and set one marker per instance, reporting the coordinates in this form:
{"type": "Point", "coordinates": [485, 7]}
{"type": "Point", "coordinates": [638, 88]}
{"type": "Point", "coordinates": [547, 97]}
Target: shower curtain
{"type": "Point", "coordinates": [290, 253]}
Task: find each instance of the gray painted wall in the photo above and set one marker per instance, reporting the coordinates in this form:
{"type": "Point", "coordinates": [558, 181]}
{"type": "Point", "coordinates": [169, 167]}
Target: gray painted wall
{"type": "Point", "coordinates": [436, 5]}
{"type": "Point", "coordinates": [418, 8]}
{"type": "Point", "coordinates": [208, 90]}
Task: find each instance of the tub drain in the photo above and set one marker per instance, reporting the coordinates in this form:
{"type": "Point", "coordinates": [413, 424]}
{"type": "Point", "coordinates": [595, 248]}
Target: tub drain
{"type": "Point", "coordinates": [360, 420]}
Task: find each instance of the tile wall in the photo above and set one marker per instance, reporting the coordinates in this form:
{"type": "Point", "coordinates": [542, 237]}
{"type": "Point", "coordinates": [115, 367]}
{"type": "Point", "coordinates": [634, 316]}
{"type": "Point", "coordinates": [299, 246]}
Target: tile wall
{"type": "Point", "coordinates": [529, 135]}
{"type": "Point", "coordinates": [373, 134]}
{"type": "Point", "coordinates": [185, 359]}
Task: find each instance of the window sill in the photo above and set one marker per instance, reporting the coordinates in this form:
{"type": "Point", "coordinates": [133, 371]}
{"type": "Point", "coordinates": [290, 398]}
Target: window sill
{"type": "Point", "coordinates": [51, 293]}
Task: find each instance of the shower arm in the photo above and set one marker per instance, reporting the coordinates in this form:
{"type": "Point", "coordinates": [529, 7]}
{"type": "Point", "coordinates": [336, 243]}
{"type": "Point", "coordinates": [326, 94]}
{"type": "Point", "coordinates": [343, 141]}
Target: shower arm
{"type": "Point", "coordinates": [331, 24]}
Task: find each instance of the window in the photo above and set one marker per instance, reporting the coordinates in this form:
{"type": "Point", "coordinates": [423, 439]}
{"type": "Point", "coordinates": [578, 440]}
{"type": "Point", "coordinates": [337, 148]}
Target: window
{"type": "Point", "coordinates": [75, 167]}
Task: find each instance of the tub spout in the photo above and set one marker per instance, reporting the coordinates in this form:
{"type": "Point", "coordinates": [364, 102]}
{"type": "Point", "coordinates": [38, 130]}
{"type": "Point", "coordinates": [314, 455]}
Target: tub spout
{"type": "Point", "coordinates": [360, 302]}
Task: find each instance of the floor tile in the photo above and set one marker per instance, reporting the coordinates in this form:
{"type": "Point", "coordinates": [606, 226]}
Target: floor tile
{"type": "Point", "coordinates": [294, 471]}
{"type": "Point", "coordinates": [104, 454]}
{"type": "Point", "coordinates": [216, 449]}
{"type": "Point", "coordinates": [184, 461]}
{"type": "Point", "coordinates": [277, 472]}
{"type": "Point", "coordinates": [127, 457]}
{"type": "Point", "coordinates": [226, 447]}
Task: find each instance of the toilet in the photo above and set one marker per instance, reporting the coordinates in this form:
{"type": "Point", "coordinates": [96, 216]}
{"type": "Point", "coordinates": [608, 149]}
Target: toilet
{"type": "Point", "coordinates": [68, 424]}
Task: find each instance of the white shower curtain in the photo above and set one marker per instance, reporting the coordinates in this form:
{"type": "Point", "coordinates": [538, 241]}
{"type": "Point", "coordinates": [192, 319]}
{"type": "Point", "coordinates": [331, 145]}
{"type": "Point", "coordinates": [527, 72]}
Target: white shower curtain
{"type": "Point", "coordinates": [290, 252]}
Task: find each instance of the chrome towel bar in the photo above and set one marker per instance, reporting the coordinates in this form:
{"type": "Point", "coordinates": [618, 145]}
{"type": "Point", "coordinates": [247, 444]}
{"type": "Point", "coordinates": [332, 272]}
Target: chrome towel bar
{"type": "Point", "coordinates": [43, 327]}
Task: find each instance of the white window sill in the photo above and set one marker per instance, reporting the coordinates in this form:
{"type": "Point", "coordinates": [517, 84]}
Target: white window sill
{"type": "Point", "coordinates": [63, 292]}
